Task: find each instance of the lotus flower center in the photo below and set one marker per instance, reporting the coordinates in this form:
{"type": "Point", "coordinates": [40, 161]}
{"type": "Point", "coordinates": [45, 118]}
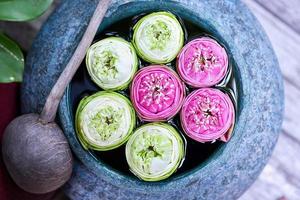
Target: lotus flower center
{"type": "Point", "coordinates": [106, 121]}
{"type": "Point", "coordinates": [158, 34]}
{"type": "Point", "coordinates": [148, 153]}
{"type": "Point", "coordinates": [105, 65]}
{"type": "Point", "coordinates": [156, 92]}
{"type": "Point", "coordinates": [203, 60]}
{"type": "Point", "coordinates": [205, 114]}
{"type": "Point", "coordinates": [153, 147]}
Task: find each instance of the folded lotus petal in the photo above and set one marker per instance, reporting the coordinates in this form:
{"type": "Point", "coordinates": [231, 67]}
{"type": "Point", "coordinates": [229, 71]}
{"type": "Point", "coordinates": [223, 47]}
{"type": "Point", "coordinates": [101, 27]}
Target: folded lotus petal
{"type": "Point", "coordinates": [158, 37]}
{"type": "Point", "coordinates": [154, 151]}
{"type": "Point", "coordinates": [157, 93]}
{"type": "Point", "coordinates": [226, 137]}
{"type": "Point", "coordinates": [104, 121]}
{"type": "Point", "coordinates": [207, 114]}
{"type": "Point", "coordinates": [202, 62]}
{"type": "Point", "coordinates": [111, 63]}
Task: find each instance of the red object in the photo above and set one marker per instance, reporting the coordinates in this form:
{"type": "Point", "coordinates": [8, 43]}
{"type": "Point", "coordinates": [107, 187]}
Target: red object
{"type": "Point", "coordinates": [9, 109]}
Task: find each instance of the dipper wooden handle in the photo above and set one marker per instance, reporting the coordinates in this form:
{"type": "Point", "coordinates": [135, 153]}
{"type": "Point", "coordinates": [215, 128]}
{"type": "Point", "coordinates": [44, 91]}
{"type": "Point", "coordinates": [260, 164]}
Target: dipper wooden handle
{"type": "Point", "coordinates": [50, 108]}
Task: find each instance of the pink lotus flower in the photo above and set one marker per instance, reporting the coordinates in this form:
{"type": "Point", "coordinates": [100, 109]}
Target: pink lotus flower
{"type": "Point", "coordinates": [202, 62]}
{"type": "Point", "coordinates": [157, 93]}
{"type": "Point", "coordinates": [208, 114]}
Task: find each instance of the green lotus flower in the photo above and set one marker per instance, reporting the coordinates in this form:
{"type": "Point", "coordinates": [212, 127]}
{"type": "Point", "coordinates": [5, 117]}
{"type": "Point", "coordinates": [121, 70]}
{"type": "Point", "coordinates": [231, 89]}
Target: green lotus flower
{"type": "Point", "coordinates": [104, 121]}
{"type": "Point", "coordinates": [154, 151]}
{"type": "Point", "coordinates": [158, 37]}
{"type": "Point", "coordinates": [111, 63]}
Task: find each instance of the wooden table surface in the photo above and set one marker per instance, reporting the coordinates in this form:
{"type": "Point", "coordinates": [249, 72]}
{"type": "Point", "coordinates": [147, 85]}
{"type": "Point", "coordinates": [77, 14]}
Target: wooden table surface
{"type": "Point", "coordinates": [281, 20]}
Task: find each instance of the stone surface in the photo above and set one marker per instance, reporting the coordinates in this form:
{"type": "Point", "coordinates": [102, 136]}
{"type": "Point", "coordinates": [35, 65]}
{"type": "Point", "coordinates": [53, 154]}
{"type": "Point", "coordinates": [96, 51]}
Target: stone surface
{"type": "Point", "coordinates": [229, 172]}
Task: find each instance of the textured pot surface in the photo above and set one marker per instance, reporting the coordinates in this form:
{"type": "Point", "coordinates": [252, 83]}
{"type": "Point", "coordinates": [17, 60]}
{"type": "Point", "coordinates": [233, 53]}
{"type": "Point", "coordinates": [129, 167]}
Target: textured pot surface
{"type": "Point", "coordinates": [235, 165]}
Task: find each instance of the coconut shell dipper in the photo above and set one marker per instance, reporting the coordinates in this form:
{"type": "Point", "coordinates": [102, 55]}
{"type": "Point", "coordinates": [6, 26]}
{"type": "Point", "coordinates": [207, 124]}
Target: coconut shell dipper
{"type": "Point", "coordinates": [35, 150]}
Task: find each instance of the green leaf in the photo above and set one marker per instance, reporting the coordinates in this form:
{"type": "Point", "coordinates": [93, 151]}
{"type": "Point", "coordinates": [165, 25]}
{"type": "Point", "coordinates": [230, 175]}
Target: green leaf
{"type": "Point", "coordinates": [22, 10]}
{"type": "Point", "coordinates": [11, 61]}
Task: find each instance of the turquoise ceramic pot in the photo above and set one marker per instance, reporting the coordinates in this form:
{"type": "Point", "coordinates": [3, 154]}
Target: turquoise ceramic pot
{"type": "Point", "coordinates": [234, 166]}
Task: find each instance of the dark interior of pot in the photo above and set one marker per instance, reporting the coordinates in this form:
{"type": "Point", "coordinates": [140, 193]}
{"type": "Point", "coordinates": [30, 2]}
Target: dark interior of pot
{"type": "Point", "coordinates": [196, 153]}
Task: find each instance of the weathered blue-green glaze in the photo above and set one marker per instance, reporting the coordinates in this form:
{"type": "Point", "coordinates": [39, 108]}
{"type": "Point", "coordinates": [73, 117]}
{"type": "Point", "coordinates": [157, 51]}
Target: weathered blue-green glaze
{"type": "Point", "coordinates": [232, 169]}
